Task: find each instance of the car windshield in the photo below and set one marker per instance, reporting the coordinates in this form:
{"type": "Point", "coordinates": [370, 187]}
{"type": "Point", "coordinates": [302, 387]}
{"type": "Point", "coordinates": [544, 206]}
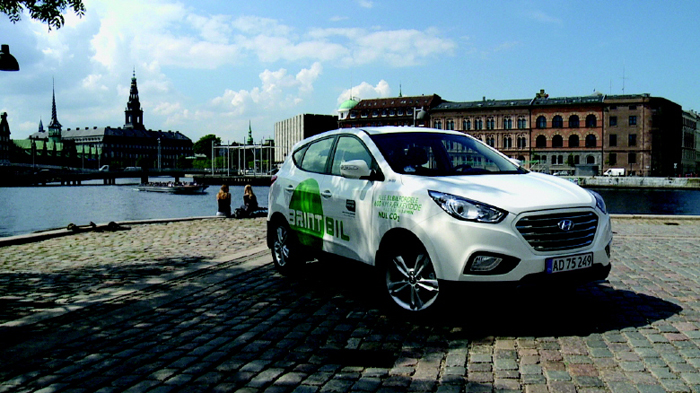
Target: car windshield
{"type": "Point", "coordinates": [441, 154]}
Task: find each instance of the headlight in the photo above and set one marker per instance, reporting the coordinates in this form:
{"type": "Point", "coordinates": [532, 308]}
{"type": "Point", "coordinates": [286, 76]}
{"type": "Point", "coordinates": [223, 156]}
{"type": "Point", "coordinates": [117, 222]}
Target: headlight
{"type": "Point", "coordinates": [599, 202]}
{"type": "Point", "coordinates": [466, 209]}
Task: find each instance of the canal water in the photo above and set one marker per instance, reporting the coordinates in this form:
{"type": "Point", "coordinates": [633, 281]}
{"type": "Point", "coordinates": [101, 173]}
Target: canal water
{"type": "Point", "coordinates": [28, 209]}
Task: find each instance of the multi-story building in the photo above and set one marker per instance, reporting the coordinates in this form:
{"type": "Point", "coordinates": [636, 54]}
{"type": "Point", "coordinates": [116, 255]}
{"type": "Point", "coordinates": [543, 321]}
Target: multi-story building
{"type": "Point", "coordinates": [397, 111]}
{"type": "Point", "coordinates": [292, 130]}
{"type": "Point", "coordinates": [643, 134]}
{"type": "Point", "coordinates": [576, 135]}
{"type": "Point", "coordinates": [130, 145]}
{"type": "Point", "coordinates": [690, 160]}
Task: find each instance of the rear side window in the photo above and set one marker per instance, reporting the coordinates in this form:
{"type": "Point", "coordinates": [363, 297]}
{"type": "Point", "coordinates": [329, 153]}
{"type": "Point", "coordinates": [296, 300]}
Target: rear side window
{"type": "Point", "coordinates": [315, 156]}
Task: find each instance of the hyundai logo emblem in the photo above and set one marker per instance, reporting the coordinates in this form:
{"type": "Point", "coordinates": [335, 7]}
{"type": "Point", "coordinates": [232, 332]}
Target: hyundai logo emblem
{"type": "Point", "coordinates": [565, 225]}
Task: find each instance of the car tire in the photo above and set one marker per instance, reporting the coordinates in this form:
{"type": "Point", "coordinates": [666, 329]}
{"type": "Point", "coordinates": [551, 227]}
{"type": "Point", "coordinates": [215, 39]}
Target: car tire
{"type": "Point", "coordinates": [285, 250]}
{"type": "Point", "coordinates": [408, 277]}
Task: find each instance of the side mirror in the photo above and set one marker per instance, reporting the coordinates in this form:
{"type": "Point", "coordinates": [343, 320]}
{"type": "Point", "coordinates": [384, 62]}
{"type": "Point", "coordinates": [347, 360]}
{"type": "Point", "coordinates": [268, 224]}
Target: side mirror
{"type": "Point", "coordinates": [355, 169]}
{"type": "Point", "coordinates": [517, 162]}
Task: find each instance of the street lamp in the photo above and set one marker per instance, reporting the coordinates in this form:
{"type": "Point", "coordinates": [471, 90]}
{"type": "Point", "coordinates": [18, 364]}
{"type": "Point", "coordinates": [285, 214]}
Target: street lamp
{"type": "Point", "coordinates": [7, 61]}
{"type": "Point", "coordinates": [158, 154]}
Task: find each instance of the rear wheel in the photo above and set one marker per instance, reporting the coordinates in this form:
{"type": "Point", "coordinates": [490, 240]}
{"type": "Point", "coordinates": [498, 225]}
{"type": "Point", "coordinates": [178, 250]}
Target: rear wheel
{"type": "Point", "coordinates": [285, 249]}
{"type": "Point", "coordinates": [409, 277]}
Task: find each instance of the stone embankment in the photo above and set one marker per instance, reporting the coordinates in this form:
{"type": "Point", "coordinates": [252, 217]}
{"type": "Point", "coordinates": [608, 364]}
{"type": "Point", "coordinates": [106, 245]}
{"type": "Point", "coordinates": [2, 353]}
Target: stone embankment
{"type": "Point", "coordinates": [637, 182]}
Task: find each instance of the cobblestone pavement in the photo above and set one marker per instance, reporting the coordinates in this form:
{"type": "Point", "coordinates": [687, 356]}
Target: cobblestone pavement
{"type": "Point", "coordinates": [197, 306]}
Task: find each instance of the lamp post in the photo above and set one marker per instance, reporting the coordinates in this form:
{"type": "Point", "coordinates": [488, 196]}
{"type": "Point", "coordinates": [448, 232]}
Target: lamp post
{"type": "Point", "coordinates": [159, 155]}
{"type": "Point", "coordinates": [7, 61]}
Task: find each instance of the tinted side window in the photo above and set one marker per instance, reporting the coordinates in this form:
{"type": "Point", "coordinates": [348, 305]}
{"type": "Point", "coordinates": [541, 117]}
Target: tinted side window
{"type": "Point", "coordinates": [348, 149]}
{"type": "Point", "coordinates": [316, 156]}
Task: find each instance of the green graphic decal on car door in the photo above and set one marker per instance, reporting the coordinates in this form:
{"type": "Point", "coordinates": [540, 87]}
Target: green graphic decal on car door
{"type": "Point", "coordinates": [306, 213]}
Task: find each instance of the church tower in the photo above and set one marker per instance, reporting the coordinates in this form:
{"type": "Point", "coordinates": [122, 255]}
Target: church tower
{"type": "Point", "coordinates": [54, 125]}
{"type": "Point", "coordinates": [133, 114]}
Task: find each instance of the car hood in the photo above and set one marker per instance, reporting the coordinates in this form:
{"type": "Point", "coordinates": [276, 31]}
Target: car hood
{"type": "Point", "coordinates": [516, 193]}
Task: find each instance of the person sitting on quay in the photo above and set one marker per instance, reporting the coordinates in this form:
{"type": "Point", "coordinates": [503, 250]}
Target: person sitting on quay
{"type": "Point", "coordinates": [223, 199]}
{"type": "Point", "coordinates": [250, 203]}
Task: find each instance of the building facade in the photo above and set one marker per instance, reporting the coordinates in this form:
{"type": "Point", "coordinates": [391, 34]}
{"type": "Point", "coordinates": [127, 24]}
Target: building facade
{"type": "Point", "coordinates": [691, 145]}
{"type": "Point", "coordinates": [129, 145]}
{"type": "Point", "coordinates": [396, 111]}
{"type": "Point", "coordinates": [292, 130]}
{"type": "Point", "coordinates": [577, 135]}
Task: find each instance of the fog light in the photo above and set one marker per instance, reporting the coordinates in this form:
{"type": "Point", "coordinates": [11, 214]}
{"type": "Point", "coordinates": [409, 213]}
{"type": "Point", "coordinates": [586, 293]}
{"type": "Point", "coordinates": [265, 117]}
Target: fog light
{"type": "Point", "coordinates": [490, 264]}
{"type": "Point", "coordinates": [485, 263]}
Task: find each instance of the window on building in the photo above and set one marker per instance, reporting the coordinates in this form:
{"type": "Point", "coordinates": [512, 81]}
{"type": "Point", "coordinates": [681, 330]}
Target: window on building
{"type": "Point", "coordinates": [633, 120]}
{"type": "Point", "coordinates": [590, 160]}
{"type": "Point", "coordinates": [591, 140]}
{"type": "Point", "coordinates": [522, 123]}
{"type": "Point", "coordinates": [557, 122]}
{"type": "Point", "coordinates": [573, 121]}
{"type": "Point", "coordinates": [633, 107]}
{"type": "Point", "coordinates": [591, 121]}
{"type": "Point", "coordinates": [613, 139]}
{"type": "Point", "coordinates": [507, 142]}
{"type": "Point", "coordinates": [450, 124]}
{"type": "Point", "coordinates": [632, 140]}
{"type": "Point", "coordinates": [438, 124]}
{"type": "Point", "coordinates": [573, 141]}
{"type": "Point", "coordinates": [541, 141]}
{"type": "Point", "coordinates": [490, 124]}
{"type": "Point", "coordinates": [554, 160]}
{"type": "Point", "coordinates": [612, 158]}
{"type": "Point", "coordinates": [478, 124]}
{"type": "Point", "coordinates": [522, 142]}
{"type": "Point", "coordinates": [541, 122]}
{"type": "Point", "coordinates": [491, 141]}
{"type": "Point", "coordinates": [557, 141]}
{"type": "Point", "coordinates": [613, 121]}
{"type": "Point", "coordinates": [577, 160]}
{"type": "Point", "coordinates": [467, 124]}
{"type": "Point", "coordinates": [632, 158]}
{"type": "Point", "coordinates": [508, 123]}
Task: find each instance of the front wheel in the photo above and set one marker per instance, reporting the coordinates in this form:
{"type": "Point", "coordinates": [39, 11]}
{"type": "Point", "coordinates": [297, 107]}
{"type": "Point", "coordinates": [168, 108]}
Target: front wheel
{"type": "Point", "coordinates": [285, 250]}
{"type": "Point", "coordinates": [410, 279]}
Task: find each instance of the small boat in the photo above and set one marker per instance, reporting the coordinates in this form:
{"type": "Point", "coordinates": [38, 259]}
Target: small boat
{"type": "Point", "coordinates": [173, 188]}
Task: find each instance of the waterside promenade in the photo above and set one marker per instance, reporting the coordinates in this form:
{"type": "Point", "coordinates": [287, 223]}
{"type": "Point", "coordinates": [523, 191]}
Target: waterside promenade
{"type": "Point", "coordinates": [197, 306]}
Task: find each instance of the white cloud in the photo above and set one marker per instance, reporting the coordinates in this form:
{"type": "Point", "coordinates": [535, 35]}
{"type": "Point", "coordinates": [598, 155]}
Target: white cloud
{"type": "Point", "coordinates": [541, 16]}
{"type": "Point", "coordinates": [278, 89]}
{"type": "Point", "coordinates": [365, 91]}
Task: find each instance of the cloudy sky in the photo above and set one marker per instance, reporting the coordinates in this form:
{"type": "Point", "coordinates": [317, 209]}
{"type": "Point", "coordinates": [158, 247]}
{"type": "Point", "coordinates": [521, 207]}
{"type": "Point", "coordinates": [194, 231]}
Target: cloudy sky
{"type": "Point", "coordinates": [206, 66]}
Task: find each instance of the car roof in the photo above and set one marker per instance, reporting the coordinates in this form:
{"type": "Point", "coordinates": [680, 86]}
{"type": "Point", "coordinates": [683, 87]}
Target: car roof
{"type": "Point", "coordinates": [397, 129]}
{"type": "Point", "coordinates": [376, 131]}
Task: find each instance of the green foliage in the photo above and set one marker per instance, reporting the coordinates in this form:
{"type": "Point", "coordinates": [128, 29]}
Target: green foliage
{"type": "Point", "coordinates": [49, 12]}
{"type": "Point", "coordinates": [203, 145]}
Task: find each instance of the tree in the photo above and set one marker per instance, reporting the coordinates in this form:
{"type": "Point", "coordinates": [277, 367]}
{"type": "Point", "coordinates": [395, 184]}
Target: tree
{"type": "Point", "coordinates": [49, 12]}
{"type": "Point", "coordinates": [203, 145]}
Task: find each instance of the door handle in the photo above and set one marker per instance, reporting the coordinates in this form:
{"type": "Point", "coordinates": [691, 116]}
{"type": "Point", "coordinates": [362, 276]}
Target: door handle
{"type": "Point", "coordinates": [326, 194]}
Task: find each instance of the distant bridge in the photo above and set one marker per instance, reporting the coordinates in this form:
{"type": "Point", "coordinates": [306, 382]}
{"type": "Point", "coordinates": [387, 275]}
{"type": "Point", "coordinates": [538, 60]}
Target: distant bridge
{"type": "Point", "coordinates": [34, 175]}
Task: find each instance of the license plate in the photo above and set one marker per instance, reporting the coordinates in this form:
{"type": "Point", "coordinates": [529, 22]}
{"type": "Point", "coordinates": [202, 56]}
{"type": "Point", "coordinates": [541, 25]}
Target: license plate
{"type": "Point", "coordinates": [569, 263]}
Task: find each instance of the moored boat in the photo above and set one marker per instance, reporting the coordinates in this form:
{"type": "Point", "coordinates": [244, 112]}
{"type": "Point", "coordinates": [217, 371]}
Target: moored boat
{"type": "Point", "coordinates": [173, 188]}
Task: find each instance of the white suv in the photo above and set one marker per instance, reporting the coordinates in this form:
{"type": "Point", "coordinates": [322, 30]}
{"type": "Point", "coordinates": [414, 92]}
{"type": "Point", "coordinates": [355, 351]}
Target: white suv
{"type": "Point", "coordinates": [430, 208]}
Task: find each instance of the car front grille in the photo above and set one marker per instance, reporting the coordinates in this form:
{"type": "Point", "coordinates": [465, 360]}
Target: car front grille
{"type": "Point", "coordinates": [561, 231]}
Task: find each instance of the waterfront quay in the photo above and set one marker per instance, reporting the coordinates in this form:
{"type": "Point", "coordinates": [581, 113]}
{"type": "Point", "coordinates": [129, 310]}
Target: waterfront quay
{"type": "Point", "coordinates": [196, 305]}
